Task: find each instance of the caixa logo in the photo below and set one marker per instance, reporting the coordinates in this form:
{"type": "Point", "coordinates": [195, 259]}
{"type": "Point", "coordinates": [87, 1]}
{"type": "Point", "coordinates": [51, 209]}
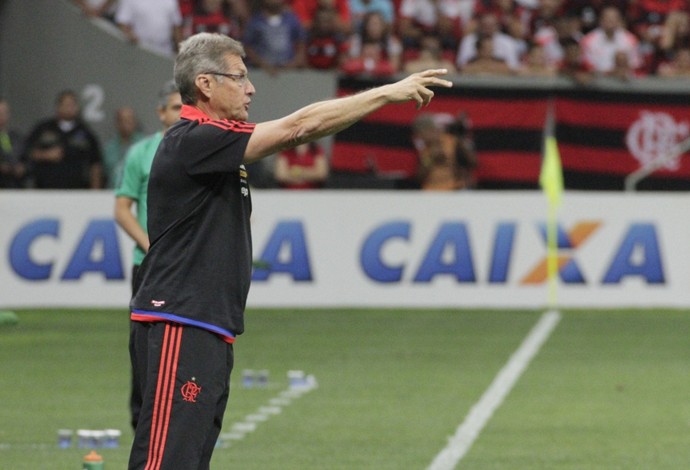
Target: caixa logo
{"type": "Point", "coordinates": [285, 252]}
{"type": "Point", "coordinates": [98, 250]}
{"type": "Point", "coordinates": [450, 253]}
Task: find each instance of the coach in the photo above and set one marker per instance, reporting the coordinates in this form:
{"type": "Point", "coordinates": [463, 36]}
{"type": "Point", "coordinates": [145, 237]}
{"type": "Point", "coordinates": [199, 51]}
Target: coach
{"type": "Point", "coordinates": [193, 284]}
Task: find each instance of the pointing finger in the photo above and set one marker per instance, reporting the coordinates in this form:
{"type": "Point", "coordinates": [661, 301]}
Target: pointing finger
{"type": "Point", "coordinates": [434, 72]}
{"type": "Point", "coordinates": [431, 78]}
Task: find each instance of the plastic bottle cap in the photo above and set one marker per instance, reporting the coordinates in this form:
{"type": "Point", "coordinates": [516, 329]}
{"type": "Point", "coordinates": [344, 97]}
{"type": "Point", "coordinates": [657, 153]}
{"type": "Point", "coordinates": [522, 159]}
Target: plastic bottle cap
{"type": "Point", "coordinates": [93, 456]}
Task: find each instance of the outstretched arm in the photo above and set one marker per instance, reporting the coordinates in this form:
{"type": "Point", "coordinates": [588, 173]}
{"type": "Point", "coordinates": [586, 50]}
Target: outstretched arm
{"type": "Point", "coordinates": [328, 117]}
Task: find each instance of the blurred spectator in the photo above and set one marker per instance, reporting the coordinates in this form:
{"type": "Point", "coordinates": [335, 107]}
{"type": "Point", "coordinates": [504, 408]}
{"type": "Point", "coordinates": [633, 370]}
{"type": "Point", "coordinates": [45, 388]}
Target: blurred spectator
{"type": "Point", "coordinates": [217, 16]}
{"type": "Point", "coordinates": [359, 8]}
{"type": "Point", "coordinates": [678, 66]}
{"type": "Point", "coordinates": [510, 14]}
{"type": "Point", "coordinates": [513, 19]}
{"type": "Point", "coordinates": [438, 172]}
{"type": "Point", "coordinates": [601, 46]}
{"type": "Point", "coordinates": [546, 14]}
{"type": "Point", "coordinates": [573, 65]}
{"type": "Point", "coordinates": [418, 17]}
{"type": "Point", "coordinates": [588, 11]}
{"type": "Point", "coordinates": [622, 69]}
{"type": "Point", "coordinates": [544, 29]}
{"type": "Point", "coordinates": [155, 25]}
{"type": "Point", "coordinates": [505, 47]}
{"type": "Point", "coordinates": [676, 32]}
{"type": "Point", "coordinates": [186, 7]}
{"type": "Point", "coordinates": [460, 130]}
{"type": "Point", "coordinates": [536, 65]}
{"type": "Point", "coordinates": [63, 151]}
{"type": "Point", "coordinates": [430, 56]}
{"type": "Point", "coordinates": [445, 151]}
{"type": "Point", "coordinates": [374, 49]}
{"type": "Point", "coordinates": [301, 167]}
{"type": "Point", "coordinates": [307, 10]}
{"type": "Point", "coordinates": [647, 18]}
{"type": "Point", "coordinates": [274, 38]}
{"type": "Point", "coordinates": [485, 62]}
{"type": "Point", "coordinates": [326, 45]}
{"type": "Point", "coordinates": [98, 8]}
{"type": "Point", "coordinates": [566, 27]}
{"type": "Point", "coordinates": [127, 133]}
{"type": "Point", "coordinates": [654, 23]}
{"type": "Point", "coordinates": [12, 166]}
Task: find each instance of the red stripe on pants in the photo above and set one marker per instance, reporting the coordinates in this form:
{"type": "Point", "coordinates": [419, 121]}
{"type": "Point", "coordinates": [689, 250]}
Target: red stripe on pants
{"type": "Point", "coordinates": [165, 387]}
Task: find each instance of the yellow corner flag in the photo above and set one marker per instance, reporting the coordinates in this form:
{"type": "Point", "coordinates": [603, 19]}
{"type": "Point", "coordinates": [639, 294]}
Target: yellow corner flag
{"type": "Point", "coordinates": [551, 181]}
{"type": "Point", "coordinates": [551, 176]}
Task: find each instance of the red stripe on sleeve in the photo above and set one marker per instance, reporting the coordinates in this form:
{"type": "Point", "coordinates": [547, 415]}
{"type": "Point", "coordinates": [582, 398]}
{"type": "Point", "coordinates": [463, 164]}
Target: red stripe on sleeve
{"type": "Point", "coordinates": [195, 114]}
{"type": "Point", "coordinates": [234, 126]}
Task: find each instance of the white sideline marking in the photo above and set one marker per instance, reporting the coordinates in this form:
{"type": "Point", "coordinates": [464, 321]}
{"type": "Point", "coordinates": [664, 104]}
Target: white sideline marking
{"type": "Point", "coordinates": [481, 412]}
{"type": "Point", "coordinates": [239, 430]}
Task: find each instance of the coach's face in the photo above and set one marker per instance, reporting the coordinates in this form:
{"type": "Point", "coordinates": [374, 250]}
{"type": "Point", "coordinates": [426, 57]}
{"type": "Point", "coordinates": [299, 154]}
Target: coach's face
{"type": "Point", "coordinates": [231, 92]}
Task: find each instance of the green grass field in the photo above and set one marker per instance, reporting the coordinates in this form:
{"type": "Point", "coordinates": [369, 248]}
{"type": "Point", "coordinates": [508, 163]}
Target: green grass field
{"type": "Point", "coordinates": [608, 390]}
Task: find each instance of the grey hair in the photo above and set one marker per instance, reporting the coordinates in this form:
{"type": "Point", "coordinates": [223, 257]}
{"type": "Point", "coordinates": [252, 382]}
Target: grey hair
{"type": "Point", "coordinates": [202, 53]}
{"type": "Point", "coordinates": [164, 93]}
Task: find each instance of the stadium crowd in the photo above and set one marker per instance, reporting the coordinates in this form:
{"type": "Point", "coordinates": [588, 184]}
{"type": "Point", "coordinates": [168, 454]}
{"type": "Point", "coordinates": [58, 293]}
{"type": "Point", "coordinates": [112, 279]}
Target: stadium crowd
{"type": "Point", "coordinates": [578, 39]}
{"type": "Point", "coordinates": [619, 38]}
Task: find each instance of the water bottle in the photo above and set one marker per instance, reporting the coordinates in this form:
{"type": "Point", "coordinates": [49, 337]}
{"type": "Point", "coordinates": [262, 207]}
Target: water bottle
{"type": "Point", "coordinates": [65, 438]}
{"type": "Point", "coordinates": [248, 378]}
{"type": "Point", "coordinates": [93, 461]}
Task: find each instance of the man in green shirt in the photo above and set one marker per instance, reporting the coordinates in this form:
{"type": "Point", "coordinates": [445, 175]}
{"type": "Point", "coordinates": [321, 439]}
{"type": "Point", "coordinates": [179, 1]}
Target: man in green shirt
{"type": "Point", "coordinates": [133, 189]}
{"type": "Point", "coordinates": [135, 177]}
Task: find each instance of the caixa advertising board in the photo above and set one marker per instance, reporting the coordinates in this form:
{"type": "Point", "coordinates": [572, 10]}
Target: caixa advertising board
{"type": "Point", "coordinates": [397, 249]}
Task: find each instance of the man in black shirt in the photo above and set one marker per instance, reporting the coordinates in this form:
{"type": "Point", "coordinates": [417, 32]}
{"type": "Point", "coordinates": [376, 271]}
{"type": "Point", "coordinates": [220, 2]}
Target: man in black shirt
{"type": "Point", "coordinates": [194, 281]}
{"type": "Point", "coordinates": [63, 151]}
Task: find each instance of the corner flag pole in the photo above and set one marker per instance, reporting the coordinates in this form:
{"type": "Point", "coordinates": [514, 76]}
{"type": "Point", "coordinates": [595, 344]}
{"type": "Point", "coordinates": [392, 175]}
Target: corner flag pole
{"type": "Point", "coordinates": [551, 182]}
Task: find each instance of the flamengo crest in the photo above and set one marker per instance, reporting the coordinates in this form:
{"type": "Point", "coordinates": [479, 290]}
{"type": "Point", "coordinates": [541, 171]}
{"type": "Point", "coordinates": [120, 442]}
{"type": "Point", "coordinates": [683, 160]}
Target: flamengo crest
{"type": "Point", "coordinates": [653, 136]}
{"type": "Point", "coordinates": [189, 391]}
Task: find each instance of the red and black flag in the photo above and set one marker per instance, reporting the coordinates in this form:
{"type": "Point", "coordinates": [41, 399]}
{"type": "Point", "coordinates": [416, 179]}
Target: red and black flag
{"type": "Point", "coordinates": [507, 129]}
{"type": "Point", "coordinates": [605, 135]}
